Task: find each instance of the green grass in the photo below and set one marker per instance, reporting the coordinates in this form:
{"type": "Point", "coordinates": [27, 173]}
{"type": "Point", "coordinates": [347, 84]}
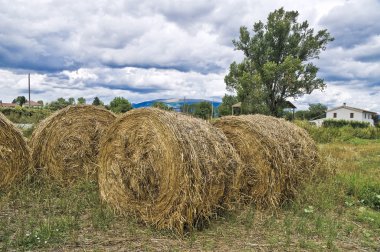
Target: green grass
{"type": "Point", "coordinates": [338, 210]}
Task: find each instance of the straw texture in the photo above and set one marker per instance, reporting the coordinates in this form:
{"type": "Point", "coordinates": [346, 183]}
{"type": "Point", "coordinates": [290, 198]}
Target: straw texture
{"type": "Point", "coordinates": [14, 153]}
{"type": "Point", "coordinates": [66, 144]}
{"type": "Point", "coordinates": [277, 156]}
{"type": "Point", "coordinates": [170, 170]}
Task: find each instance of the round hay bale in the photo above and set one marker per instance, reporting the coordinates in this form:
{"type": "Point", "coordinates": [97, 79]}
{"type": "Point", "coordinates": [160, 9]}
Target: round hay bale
{"type": "Point", "coordinates": [168, 169]}
{"type": "Point", "coordinates": [66, 144]}
{"type": "Point", "coordinates": [277, 156]}
{"type": "Point", "coordinates": [14, 153]}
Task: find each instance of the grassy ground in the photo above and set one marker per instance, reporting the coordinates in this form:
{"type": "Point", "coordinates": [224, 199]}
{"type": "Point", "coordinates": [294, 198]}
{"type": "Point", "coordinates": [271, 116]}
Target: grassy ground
{"type": "Point", "coordinates": [339, 210]}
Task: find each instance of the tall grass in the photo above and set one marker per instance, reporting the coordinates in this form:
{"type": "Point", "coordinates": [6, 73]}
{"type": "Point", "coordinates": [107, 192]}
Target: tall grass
{"type": "Point", "coordinates": [339, 134]}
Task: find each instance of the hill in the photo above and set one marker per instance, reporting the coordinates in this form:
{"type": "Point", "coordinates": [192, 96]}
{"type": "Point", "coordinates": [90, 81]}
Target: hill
{"type": "Point", "coordinates": [173, 103]}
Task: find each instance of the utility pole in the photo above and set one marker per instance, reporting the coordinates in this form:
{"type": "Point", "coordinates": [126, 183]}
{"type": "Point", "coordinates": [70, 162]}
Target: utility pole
{"type": "Point", "coordinates": [29, 87]}
{"type": "Point", "coordinates": [212, 108]}
{"type": "Point", "coordinates": [184, 105]}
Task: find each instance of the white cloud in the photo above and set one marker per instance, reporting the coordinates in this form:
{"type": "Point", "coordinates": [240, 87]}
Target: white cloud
{"type": "Point", "coordinates": [161, 49]}
{"type": "Point", "coordinates": [136, 84]}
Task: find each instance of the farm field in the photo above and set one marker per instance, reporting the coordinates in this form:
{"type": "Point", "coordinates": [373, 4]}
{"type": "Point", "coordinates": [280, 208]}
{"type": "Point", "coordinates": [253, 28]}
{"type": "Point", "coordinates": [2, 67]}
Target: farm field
{"type": "Point", "coordinates": [338, 210]}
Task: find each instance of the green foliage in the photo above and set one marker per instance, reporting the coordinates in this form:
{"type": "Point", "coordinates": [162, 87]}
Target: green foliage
{"type": "Point", "coordinates": [81, 100]}
{"type": "Point", "coordinates": [71, 101]}
{"type": "Point", "coordinates": [341, 123]}
{"type": "Point", "coordinates": [25, 115]}
{"type": "Point", "coordinates": [314, 111]}
{"type": "Point", "coordinates": [97, 102]}
{"type": "Point", "coordinates": [338, 134]}
{"type": "Point", "coordinates": [201, 109]}
{"type": "Point", "coordinates": [161, 105]}
{"type": "Point", "coordinates": [226, 107]}
{"type": "Point", "coordinates": [277, 62]}
{"type": "Point", "coordinates": [120, 105]}
{"type": "Point", "coordinates": [20, 100]}
{"type": "Point", "coordinates": [60, 103]}
{"type": "Point", "coordinates": [317, 110]}
{"type": "Point", "coordinates": [364, 189]}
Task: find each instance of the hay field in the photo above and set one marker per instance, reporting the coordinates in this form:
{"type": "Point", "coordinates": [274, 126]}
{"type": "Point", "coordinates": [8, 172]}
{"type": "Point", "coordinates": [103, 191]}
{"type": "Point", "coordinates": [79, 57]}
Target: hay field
{"type": "Point", "coordinates": [338, 211]}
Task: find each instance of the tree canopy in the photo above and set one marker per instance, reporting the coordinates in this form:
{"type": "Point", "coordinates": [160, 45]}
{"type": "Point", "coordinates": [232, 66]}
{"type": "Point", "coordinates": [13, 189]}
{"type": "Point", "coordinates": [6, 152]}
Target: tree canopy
{"type": "Point", "coordinates": [81, 100]}
{"type": "Point", "coordinates": [225, 107]}
{"type": "Point", "coordinates": [315, 111]}
{"type": "Point", "coordinates": [71, 100]}
{"type": "Point", "coordinates": [201, 109]}
{"type": "Point", "coordinates": [161, 105]}
{"type": "Point", "coordinates": [120, 105]}
{"type": "Point", "coordinates": [97, 102]}
{"type": "Point", "coordinates": [20, 100]}
{"type": "Point", "coordinates": [60, 103]}
{"type": "Point", "coordinates": [277, 62]}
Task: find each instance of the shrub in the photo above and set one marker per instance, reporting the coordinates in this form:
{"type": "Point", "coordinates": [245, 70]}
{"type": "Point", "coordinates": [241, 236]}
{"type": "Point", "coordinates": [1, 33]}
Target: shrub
{"type": "Point", "coordinates": [342, 123]}
{"type": "Point", "coordinates": [338, 134]}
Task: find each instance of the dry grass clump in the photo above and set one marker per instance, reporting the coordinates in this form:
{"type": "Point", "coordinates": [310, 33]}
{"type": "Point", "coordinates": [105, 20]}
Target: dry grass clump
{"type": "Point", "coordinates": [170, 170]}
{"type": "Point", "coordinates": [14, 153]}
{"type": "Point", "coordinates": [277, 156]}
{"type": "Point", "coordinates": [66, 144]}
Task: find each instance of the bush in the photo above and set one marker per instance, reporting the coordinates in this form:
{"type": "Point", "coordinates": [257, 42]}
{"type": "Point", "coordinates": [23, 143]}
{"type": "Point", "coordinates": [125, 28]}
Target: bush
{"type": "Point", "coordinates": [338, 134]}
{"type": "Point", "coordinates": [25, 115]}
{"type": "Point", "coordinates": [342, 123]}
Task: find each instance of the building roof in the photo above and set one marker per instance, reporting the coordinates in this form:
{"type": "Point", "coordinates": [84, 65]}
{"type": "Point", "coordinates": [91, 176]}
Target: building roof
{"type": "Point", "coordinates": [33, 103]}
{"type": "Point", "coordinates": [288, 104]}
{"type": "Point", "coordinates": [4, 104]}
{"type": "Point", "coordinates": [351, 108]}
{"type": "Point", "coordinates": [237, 105]}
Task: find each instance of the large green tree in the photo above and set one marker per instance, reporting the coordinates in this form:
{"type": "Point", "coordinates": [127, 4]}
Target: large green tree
{"type": "Point", "coordinates": [120, 105]}
{"type": "Point", "coordinates": [20, 100]}
{"type": "Point", "coordinates": [81, 100]}
{"type": "Point", "coordinates": [60, 103]}
{"type": "Point", "coordinates": [277, 62]}
{"type": "Point", "coordinates": [203, 110]}
{"type": "Point", "coordinates": [97, 102]}
{"type": "Point", "coordinates": [315, 111]}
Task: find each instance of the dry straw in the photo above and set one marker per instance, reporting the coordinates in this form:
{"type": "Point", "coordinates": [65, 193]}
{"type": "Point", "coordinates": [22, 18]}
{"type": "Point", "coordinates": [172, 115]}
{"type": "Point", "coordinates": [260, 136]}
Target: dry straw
{"type": "Point", "coordinates": [14, 153]}
{"type": "Point", "coordinates": [170, 170]}
{"type": "Point", "coordinates": [66, 144]}
{"type": "Point", "coordinates": [277, 156]}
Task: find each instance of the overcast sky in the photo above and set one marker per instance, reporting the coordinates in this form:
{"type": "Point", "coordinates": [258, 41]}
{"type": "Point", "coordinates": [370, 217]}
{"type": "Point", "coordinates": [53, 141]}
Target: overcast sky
{"type": "Point", "coordinates": [145, 50]}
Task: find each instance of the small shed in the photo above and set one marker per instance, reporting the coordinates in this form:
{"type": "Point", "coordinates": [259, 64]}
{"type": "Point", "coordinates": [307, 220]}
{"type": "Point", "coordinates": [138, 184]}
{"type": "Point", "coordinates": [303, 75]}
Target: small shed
{"type": "Point", "coordinates": [289, 105]}
{"type": "Point", "coordinates": [237, 105]}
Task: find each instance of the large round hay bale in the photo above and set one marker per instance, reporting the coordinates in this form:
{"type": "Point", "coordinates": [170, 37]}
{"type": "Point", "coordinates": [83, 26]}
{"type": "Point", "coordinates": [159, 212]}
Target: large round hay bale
{"type": "Point", "coordinates": [65, 145]}
{"type": "Point", "coordinates": [277, 156]}
{"type": "Point", "coordinates": [170, 170]}
{"type": "Point", "coordinates": [14, 153]}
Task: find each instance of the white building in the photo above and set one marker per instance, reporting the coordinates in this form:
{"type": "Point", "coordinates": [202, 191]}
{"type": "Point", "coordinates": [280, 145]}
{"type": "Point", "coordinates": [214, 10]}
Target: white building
{"type": "Point", "coordinates": [347, 113]}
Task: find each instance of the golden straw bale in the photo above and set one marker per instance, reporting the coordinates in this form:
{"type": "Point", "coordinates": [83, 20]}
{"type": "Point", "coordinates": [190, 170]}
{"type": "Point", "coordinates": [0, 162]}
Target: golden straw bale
{"type": "Point", "coordinates": [277, 155]}
{"type": "Point", "coordinates": [14, 153]}
{"type": "Point", "coordinates": [66, 144]}
{"type": "Point", "coordinates": [170, 170]}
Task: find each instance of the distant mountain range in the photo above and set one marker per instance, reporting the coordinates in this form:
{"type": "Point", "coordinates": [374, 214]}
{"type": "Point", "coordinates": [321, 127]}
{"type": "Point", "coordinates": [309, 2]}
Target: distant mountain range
{"type": "Point", "coordinates": [174, 103]}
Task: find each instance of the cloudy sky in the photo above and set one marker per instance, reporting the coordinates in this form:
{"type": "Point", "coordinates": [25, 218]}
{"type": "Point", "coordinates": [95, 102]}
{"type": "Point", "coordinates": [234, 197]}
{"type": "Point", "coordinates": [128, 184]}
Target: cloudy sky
{"type": "Point", "coordinates": [145, 50]}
